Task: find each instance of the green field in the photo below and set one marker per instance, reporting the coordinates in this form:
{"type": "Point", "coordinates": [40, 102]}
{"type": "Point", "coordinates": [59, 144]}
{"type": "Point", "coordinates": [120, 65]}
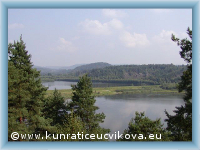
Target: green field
{"type": "Point", "coordinates": [154, 89]}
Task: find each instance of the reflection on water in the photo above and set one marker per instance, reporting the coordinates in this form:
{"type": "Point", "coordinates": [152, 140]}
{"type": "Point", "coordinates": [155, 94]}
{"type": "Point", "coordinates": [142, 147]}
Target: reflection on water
{"type": "Point", "coordinates": [119, 109]}
{"type": "Point", "coordinates": [67, 85]}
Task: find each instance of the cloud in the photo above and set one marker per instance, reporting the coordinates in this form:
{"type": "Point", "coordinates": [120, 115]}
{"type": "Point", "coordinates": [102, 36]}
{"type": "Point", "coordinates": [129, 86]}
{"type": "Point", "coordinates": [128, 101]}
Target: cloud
{"type": "Point", "coordinates": [98, 28]}
{"type": "Point", "coordinates": [133, 40]}
{"type": "Point", "coordinates": [115, 27]}
{"type": "Point", "coordinates": [65, 46]}
{"type": "Point", "coordinates": [161, 10]}
{"type": "Point", "coordinates": [113, 13]}
{"type": "Point", "coordinates": [164, 33]}
{"type": "Point", "coordinates": [116, 24]}
{"type": "Point", "coordinates": [95, 27]}
{"type": "Point", "coordinates": [165, 47]}
{"type": "Point", "coordinates": [165, 36]}
{"type": "Point", "coordinates": [16, 26]}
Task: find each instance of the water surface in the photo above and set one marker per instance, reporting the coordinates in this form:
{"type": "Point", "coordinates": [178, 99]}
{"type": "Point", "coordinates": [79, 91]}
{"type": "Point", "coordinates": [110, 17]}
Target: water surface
{"type": "Point", "coordinates": [119, 109]}
{"type": "Point", "coordinates": [59, 85]}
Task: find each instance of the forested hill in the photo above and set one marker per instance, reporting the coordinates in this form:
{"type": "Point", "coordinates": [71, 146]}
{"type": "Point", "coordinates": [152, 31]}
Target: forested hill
{"type": "Point", "coordinates": [91, 66]}
{"type": "Point", "coordinates": [56, 71]}
{"type": "Point", "coordinates": [156, 74]}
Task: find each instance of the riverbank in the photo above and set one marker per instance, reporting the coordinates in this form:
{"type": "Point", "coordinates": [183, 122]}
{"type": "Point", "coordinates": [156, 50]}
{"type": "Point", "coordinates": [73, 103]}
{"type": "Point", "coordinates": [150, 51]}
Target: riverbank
{"type": "Point", "coordinates": [150, 89]}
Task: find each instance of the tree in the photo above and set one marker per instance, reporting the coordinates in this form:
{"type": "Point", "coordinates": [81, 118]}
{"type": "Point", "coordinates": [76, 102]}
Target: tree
{"type": "Point", "coordinates": [72, 125]}
{"type": "Point", "coordinates": [15, 109]}
{"type": "Point", "coordinates": [25, 93]}
{"type": "Point", "coordinates": [83, 105]}
{"type": "Point", "coordinates": [180, 124]}
{"type": "Point", "coordinates": [142, 126]}
{"type": "Point", "coordinates": [54, 108]}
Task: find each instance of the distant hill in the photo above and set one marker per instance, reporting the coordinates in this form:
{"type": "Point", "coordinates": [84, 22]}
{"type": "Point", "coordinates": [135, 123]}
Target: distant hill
{"type": "Point", "coordinates": [58, 70]}
{"type": "Point", "coordinates": [51, 73]}
{"type": "Point", "coordinates": [97, 65]}
{"type": "Point", "coordinates": [55, 70]}
{"type": "Point", "coordinates": [104, 72]}
{"type": "Point", "coordinates": [48, 71]}
{"type": "Point", "coordinates": [159, 73]}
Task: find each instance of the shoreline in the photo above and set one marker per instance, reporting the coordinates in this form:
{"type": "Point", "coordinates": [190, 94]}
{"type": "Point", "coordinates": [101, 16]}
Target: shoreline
{"type": "Point", "coordinates": [103, 91]}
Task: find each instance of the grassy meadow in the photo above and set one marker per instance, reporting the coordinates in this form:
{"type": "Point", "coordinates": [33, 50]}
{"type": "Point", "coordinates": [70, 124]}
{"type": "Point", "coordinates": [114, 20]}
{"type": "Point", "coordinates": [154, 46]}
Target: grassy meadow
{"type": "Point", "coordinates": [150, 89]}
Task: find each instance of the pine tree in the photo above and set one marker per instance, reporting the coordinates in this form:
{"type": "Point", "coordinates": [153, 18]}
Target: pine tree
{"type": "Point", "coordinates": [16, 110]}
{"type": "Point", "coordinates": [25, 93]}
{"type": "Point", "coordinates": [83, 104]}
{"type": "Point", "coordinates": [180, 124]}
{"type": "Point", "coordinates": [53, 105]}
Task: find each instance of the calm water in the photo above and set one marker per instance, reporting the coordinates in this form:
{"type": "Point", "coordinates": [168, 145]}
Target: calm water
{"type": "Point", "coordinates": [59, 85]}
{"type": "Point", "coordinates": [119, 109]}
{"type": "Point", "coordinates": [67, 85]}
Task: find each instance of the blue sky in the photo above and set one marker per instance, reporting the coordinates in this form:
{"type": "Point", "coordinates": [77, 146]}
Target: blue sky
{"type": "Point", "coordinates": [64, 37]}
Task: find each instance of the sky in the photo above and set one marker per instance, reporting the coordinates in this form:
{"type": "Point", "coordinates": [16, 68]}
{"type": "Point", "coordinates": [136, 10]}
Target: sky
{"type": "Point", "coordinates": [65, 37]}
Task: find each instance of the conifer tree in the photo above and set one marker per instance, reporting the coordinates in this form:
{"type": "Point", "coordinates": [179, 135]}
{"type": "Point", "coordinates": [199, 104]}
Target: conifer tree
{"type": "Point", "coordinates": [25, 92]}
{"type": "Point", "coordinates": [53, 105]}
{"type": "Point", "coordinates": [83, 104]}
{"type": "Point", "coordinates": [16, 110]}
{"type": "Point", "coordinates": [180, 124]}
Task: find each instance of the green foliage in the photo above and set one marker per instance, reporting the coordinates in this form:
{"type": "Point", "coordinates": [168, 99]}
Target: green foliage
{"type": "Point", "coordinates": [142, 127]}
{"type": "Point", "coordinates": [72, 125]}
{"type": "Point", "coordinates": [129, 74]}
{"type": "Point", "coordinates": [186, 54]}
{"type": "Point", "coordinates": [101, 91]}
{"type": "Point", "coordinates": [54, 108]}
{"type": "Point", "coordinates": [25, 93]}
{"type": "Point", "coordinates": [185, 45]}
{"type": "Point", "coordinates": [91, 66]}
{"type": "Point", "coordinates": [186, 83]}
{"type": "Point", "coordinates": [155, 73]}
{"type": "Point", "coordinates": [181, 123]}
{"type": "Point", "coordinates": [29, 112]}
{"type": "Point", "coordinates": [169, 86]}
{"type": "Point", "coordinates": [83, 105]}
{"type": "Point", "coordinates": [60, 71]}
